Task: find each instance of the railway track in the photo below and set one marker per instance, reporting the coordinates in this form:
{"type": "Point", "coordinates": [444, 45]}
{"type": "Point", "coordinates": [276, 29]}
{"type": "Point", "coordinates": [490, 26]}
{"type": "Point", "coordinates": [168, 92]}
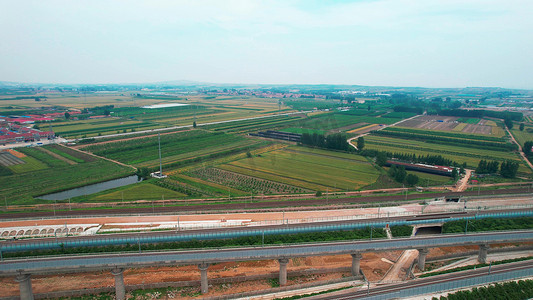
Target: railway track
{"type": "Point", "coordinates": [242, 205]}
{"type": "Point", "coordinates": [422, 282]}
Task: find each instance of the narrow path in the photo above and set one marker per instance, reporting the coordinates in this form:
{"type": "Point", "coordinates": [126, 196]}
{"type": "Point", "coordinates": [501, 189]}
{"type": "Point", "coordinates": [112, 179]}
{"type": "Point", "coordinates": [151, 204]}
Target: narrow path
{"type": "Point", "coordinates": [382, 127]}
{"type": "Point", "coordinates": [101, 157]}
{"type": "Point", "coordinates": [462, 184]}
{"type": "Point", "coordinates": [397, 271]}
{"type": "Point", "coordinates": [519, 149]}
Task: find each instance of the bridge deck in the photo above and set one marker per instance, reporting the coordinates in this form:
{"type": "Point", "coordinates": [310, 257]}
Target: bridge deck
{"type": "Point", "coordinates": [108, 261]}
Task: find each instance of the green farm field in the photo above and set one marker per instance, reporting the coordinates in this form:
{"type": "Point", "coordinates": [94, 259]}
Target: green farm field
{"type": "Point", "coordinates": [137, 191]}
{"type": "Point", "coordinates": [522, 136]}
{"type": "Point", "coordinates": [21, 188]}
{"type": "Point", "coordinates": [174, 147]}
{"type": "Point", "coordinates": [314, 171]}
{"type": "Point", "coordinates": [30, 164]}
{"type": "Point", "coordinates": [333, 121]}
{"type": "Point", "coordinates": [460, 154]}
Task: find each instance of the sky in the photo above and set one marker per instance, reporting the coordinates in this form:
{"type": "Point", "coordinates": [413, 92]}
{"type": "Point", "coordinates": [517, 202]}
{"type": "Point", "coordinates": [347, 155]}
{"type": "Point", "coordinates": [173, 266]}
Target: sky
{"type": "Point", "coordinates": [428, 43]}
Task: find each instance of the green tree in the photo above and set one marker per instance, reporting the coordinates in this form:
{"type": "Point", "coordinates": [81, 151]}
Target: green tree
{"type": "Point", "coordinates": [381, 159]}
{"type": "Point", "coordinates": [143, 172]}
{"type": "Point", "coordinates": [360, 143]}
{"type": "Point", "coordinates": [194, 124]}
{"type": "Point", "coordinates": [509, 168]}
{"type": "Point", "coordinates": [67, 115]}
{"type": "Point", "coordinates": [527, 148]}
{"type": "Point", "coordinates": [521, 127]}
{"type": "Point", "coordinates": [455, 174]}
{"type": "Point", "coordinates": [508, 122]}
{"type": "Point", "coordinates": [411, 179]}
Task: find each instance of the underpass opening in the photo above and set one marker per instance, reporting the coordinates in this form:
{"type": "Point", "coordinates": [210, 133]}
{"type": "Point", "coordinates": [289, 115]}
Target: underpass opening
{"type": "Point", "coordinates": [429, 230]}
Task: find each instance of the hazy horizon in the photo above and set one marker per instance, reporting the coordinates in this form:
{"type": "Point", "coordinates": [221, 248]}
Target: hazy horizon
{"type": "Point", "coordinates": [394, 43]}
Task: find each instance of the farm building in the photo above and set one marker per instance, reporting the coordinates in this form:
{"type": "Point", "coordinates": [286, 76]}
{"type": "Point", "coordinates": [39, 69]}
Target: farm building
{"type": "Point", "coordinates": [279, 135]}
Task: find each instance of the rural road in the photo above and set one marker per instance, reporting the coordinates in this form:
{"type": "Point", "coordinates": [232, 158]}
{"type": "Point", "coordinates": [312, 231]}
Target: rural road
{"type": "Point", "coordinates": [462, 184]}
{"type": "Point", "coordinates": [382, 127]}
{"type": "Point", "coordinates": [519, 149]}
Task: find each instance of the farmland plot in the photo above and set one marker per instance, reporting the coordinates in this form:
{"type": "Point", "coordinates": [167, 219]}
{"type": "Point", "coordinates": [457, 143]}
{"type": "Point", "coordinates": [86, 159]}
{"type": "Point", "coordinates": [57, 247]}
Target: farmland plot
{"type": "Point", "coordinates": [461, 153]}
{"type": "Point", "coordinates": [245, 183]}
{"type": "Point", "coordinates": [445, 123]}
{"type": "Point", "coordinates": [307, 170]}
{"type": "Point", "coordinates": [174, 147]}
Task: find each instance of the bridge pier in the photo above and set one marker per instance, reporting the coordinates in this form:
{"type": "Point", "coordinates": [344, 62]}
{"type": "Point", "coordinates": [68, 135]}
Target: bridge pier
{"type": "Point", "coordinates": [422, 253]}
{"type": "Point", "coordinates": [283, 271]}
{"type": "Point", "coordinates": [483, 250]}
{"type": "Point", "coordinates": [356, 264]}
{"type": "Point", "coordinates": [26, 292]}
{"type": "Point", "coordinates": [120, 287]}
{"type": "Point", "coordinates": [204, 285]}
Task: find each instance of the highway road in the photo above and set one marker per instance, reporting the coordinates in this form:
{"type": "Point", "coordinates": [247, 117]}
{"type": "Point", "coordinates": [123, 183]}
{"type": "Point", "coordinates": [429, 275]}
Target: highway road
{"type": "Point", "coordinates": [81, 263]}
{"type": "Point", "coordinates": [434, 283]}
{"type": "Point", "coordinates": [198, 206]}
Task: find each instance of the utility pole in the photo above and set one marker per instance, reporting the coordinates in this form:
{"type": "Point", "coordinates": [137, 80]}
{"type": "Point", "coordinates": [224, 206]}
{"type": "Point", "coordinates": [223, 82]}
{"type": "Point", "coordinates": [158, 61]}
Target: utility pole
{"type": "Point", "coordinates": [160, 163]}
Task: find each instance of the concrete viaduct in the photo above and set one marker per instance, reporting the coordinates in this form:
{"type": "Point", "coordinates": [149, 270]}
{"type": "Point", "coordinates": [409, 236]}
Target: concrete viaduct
{"type": "Point", "coordinates": [116, 263]}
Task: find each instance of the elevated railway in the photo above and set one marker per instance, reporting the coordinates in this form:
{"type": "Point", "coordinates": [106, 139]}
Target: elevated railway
{"type": "Point", "coordinates": [23, 269]}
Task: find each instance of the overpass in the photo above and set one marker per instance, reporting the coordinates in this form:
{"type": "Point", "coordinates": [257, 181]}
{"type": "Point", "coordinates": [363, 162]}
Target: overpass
{"type": "Point", "coordinates": [116, 263]}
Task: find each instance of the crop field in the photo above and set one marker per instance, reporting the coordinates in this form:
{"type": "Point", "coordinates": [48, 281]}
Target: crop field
{"type": "Point", "coordinates": [468, 120]}
{"type": "Point", "coordinates": [111, 125]}
{"type": "Point", "coordinates": [444, 123]}
{"type": "Point", "coordinates": [8, 159]}
{"type": "Point", "coordinates": [30, 165]}
{"type": "Point", "coordinates": [245, 183]}
{"type": "Point", "coordinates": [313, 171]}
{"type": "Point", "coordinates": [174, 147]}
{"type": "Point", "coordinates": [523, 136]}
{"type": "Point", "coordinates": [460, 153]}
{"type": "Point", "coordinates": [345, 121]}
{"type": "Point", "coordinates": [201, 185]}
{"type": "Point", "coordinates": [20, 188]}
{"type": "Point", "coordinates": [303, 130]}
{"type": "Point", "coordinates": [255, 124]}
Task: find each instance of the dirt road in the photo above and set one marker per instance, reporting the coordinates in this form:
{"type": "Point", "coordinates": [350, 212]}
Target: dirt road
{"type": "Point", "coordinates": [382, 127]}
{"type": "Point", "coordinates": [519, 149]}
